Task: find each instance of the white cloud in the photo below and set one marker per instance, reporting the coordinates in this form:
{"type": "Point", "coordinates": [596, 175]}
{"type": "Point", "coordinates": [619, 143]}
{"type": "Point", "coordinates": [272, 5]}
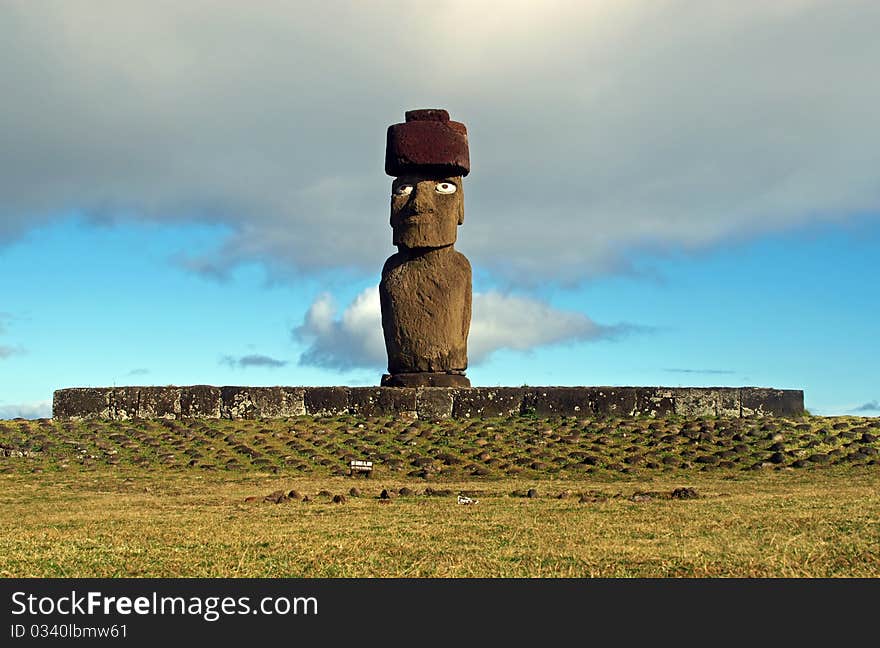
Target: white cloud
{"type": "Point", "coordinates": [354, 340]}
{"type": "Point", "coordinates": [521, 323]}
{"type": "Point", "coordinates": [498, 321]}
{"type": "Point", "coordinates": [597, 129]}
{"type": "Point", "coordinates": [40, 409]}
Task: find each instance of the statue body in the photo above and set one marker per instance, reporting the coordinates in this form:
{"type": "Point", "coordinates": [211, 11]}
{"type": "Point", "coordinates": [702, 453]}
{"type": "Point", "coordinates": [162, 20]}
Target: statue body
{"type": "Point", "coordinates": [426, 313]}
{"type": "Point", "coordinates": [425, 291]}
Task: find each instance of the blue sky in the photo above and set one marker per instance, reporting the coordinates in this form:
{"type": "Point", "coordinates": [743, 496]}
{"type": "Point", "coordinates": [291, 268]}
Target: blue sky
{"type": "Point", "coordinates": [659, 195]}
{"type": "Point", "coordinates": [98, 305]}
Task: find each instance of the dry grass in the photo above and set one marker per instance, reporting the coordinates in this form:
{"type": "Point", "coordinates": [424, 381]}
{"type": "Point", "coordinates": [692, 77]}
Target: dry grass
{"type": "Point", "coordinates": [123, 521]}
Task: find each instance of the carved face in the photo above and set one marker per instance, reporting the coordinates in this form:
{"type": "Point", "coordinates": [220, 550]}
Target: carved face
{"type": "Point", "coordinates": [426, 210]}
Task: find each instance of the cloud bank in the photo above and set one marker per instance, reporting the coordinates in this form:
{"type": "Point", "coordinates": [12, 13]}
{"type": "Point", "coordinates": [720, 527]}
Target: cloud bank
{"type": "Point", "coordinates": [871, 406]}
{"type": "Point", "coordinates": [42, 409]}
{"type": "Point", "coordinates": [354, 339]}
{"type": "Point", "coordinates": [597, 130]}
{"type": "Point", "coordinates": [253, 360]}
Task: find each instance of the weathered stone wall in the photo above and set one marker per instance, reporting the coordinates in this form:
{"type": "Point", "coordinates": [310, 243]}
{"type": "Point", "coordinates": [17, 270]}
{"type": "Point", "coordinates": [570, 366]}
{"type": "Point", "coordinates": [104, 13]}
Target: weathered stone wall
{"type": "Point", "coordinates": [203, 401]}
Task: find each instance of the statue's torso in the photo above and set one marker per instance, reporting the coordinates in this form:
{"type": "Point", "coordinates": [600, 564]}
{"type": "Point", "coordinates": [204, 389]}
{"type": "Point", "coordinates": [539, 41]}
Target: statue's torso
{"type": "Point", "coordinates": [426, 310]}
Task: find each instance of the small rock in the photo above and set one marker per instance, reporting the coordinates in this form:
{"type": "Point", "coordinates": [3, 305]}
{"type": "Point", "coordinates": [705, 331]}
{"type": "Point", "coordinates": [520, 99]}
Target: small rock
{"type": "Point", "coordinates": [252, 498]}
{"type": "Point", "coordinates": [777, 458]}
{"type": "Point", "coordinates": [405, 492]}
{"type": "Point", "coordinates": [339, 499]}
{"type": "Point", "coordinates": [640, 497]}
{"type": "Point", "coordinates": [684, 493]}
{"type": "Point", "coordinates": [867, 437]}
{"type": "Point", "coordinates": [324, 493]}
{"type": "Point", "coordinates": [354, 492]}
{"type": "Point", "coordinates": [306, 499]}
{"type": "Point", "coordinates": [294, 495]}
{"type": "Point", "coordinates": [276, 497]}
{"type": "Point", "coordinates": [531, 493]}
{"type": "Point", "coordinates": [819, 458]}
{"type": "Point", "coordinates": [384, 495]}
{"type": "Point", "coordinates": [586, 498]}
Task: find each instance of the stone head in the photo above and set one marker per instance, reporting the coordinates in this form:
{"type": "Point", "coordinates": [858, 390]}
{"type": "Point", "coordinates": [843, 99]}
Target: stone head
{"type": "Point", "coordinates": [428, 155]}
{"type": "Point", "coordinates": [426, 210]}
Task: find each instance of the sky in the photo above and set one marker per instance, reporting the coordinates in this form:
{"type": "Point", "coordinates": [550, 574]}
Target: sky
{"type": "Point", "coordinates": [661, 192]}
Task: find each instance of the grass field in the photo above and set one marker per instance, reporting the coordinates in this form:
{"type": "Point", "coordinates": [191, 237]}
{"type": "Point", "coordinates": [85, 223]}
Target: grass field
{"type": "Point", "coordinates": [188, 498]}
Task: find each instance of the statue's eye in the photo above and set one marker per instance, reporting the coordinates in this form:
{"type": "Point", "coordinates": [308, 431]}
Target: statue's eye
{"type": "Point", "coordinates": [403, 190]}
{"type": "Point", "coordinates": [445, 188]}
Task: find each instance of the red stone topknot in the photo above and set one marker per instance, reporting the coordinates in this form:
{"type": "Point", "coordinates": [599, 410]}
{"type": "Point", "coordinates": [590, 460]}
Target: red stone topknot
{"type": "Point", "coordinates": [428, 142]}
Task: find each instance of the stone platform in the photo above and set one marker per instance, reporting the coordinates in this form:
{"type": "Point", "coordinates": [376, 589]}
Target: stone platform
{"type": "Point", "coordinates": [204, 401]}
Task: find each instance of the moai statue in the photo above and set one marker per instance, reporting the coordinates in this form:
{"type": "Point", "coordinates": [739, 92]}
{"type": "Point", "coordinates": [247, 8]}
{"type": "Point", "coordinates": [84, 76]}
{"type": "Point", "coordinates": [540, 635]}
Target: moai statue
{"type": "Point", "coordinates": [425, 290]}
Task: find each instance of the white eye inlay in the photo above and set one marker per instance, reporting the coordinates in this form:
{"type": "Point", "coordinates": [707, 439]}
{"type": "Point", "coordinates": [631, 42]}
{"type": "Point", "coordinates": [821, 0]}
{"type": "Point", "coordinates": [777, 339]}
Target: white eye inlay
{"type": "Point", "coordinates": [403, 190]}
{"type": "Point", "coordinates": [445, 188]}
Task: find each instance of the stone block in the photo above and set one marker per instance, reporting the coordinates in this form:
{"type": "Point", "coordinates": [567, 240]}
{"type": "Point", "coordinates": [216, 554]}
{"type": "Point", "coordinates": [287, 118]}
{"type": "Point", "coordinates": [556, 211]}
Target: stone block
{"type": "Point", "coordinates": [293, 401]}
{"type": "Point", "coordinates": [558, 401]}
{"type": "Point", "coordinates": [200, 401]}
{"type": "Point", "coordinates": [481, 402]}
{"type": "Point", "coordinates": [125, 403]}
{"type": "Point", "coordinates": [262, 402]}
{"type": "Point", "coordinates": [326, 401]}
{"type": "Point", "coordinates": [159, 402]}
{"type": "Point", "coordinates": [615, 401]}
{"type": "Point", "coordinates": [759, 401]}
{"type": "Point", "coordinates": [729, 402]}
{"type": "Point", "coordinates": [82, 402]}
{"type": "Point", "coordinates": [696, 401]}
{"type": "Point", "coordinates": [238, 403]}
{"type": "Point", "coordinates": [433, 403]}
{"type": "Point", "coordinates": [276, 402]}
{"type": "Point", "coordinates": [382, 401]}
{"type": "Point", "coordinates": [654, 401]}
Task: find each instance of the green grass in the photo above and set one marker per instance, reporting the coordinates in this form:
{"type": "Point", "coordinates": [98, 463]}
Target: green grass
{"type": "Point", "coordinates": [148, 498]}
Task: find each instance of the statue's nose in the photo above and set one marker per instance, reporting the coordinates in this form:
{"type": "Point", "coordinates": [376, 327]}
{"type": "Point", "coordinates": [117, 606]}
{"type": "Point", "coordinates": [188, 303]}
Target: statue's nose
{"type": "Point", "coordinates": [423, 199]}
